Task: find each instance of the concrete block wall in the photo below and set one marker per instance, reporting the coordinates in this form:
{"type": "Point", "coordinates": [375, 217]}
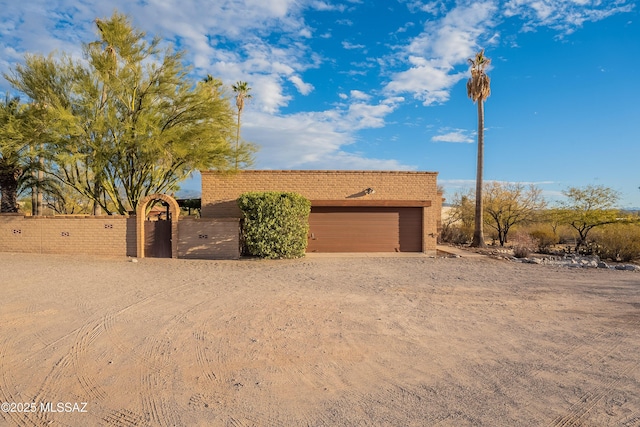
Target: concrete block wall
{"type": "Point", "coordinates": [220, 191]}
{"type": "Point", "coordinates": [114, 236]}
{"type": "Point", "coordinates": [207, 238]}
{"type": "Point", "coordinates": [93, 235]}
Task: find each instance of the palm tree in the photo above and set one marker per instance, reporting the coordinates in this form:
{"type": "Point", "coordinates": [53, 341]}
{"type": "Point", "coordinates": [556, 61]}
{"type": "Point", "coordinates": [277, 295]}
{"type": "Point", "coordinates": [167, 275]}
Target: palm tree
{"type": "Point", "coordinates": [241, 90]}
{"type": "Point", "coordinates": [478, 89]}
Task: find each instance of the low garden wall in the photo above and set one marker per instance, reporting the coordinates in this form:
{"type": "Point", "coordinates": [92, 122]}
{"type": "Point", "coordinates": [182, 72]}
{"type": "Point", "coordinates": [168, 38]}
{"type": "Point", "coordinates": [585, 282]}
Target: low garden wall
{"type": "Point", "coordinates": [113, 236]}
{"type": "Point", "coordinates": [92, 235]}
{"type": "Point", "coordinates": [207, 238]}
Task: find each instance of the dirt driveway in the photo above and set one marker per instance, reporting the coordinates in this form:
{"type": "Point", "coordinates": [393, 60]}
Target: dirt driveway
{"type": "Point", "coordinates": [316, 342]}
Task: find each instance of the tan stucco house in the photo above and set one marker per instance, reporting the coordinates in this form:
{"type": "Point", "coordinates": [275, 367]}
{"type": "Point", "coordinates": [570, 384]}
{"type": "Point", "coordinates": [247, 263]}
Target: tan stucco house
{"type": "Point", "coordinates": [351, 211]}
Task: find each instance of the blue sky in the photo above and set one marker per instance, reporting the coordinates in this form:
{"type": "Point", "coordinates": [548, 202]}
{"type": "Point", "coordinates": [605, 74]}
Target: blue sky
{"type": "Point", "coordinates": [357, 84]}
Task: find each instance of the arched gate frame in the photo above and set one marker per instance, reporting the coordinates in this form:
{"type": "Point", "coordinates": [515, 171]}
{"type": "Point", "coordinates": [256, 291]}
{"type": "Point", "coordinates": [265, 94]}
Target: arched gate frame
{"type": "Point", "coordinates": [141, 213]}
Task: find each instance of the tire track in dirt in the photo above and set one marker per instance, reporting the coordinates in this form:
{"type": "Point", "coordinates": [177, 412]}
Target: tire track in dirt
{"type": "Point", "coordinates": [250, 355]}
{"type": "Point", "coordinates": [49, 390]}
{"type": "Point", "coordinates": [202, 354]}
{"type": "Point", "coordinates": [153, 358]}
{"type": "Point", "coordinates": [159, 409]}
{"type": "Point", "coordinates": [217, 388]}
{"type": "Point", "coordinates": [510, 379]}
{"type": "Point", "coordinates": [273, 337]}
{"type": "Point", "coordinates": [222, 384]}
{"type": "Point", "coordinates": [391, 399]}
{"type": "Point", "coordinates": [335, 372]}
{"type": "Point", "coordinates": [6, 384]}
{"type": "Point", "coordinates": [70, 366]}
{"type": "Point", "coordinates": [110, 318]}
{"type": "Point", "coordinates": [74, 364]}
{"type": "Point", "coordinates": [79, 356]}
{"type": "Point", "coordinates": [151, 410]}
{"type": "Point", "coordinates": [371, 392]}
{"type": "Point", "coordinates": [121, 310]}
{"type": "Point", "coordinates": [124, 418]}
{"type": "Point", "coordinates": [580, 409]}
{"type": "Point", "coordinates": [631, 421]}
{"type": "Point", "coordinates": [155, 406]}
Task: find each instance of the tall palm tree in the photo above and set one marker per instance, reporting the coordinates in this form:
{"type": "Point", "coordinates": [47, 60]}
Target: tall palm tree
{"type": "Point", "coordinates": [241, 90]}
{"type": "Point", "coordinates": [478, 89]}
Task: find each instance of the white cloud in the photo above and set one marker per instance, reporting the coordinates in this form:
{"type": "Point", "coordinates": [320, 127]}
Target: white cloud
{"type": "Point", "coordinates": [303, 88]}
{"type": "Point", "coordinates": [201, 27]}
{"type": "Point", "coordinates": [324, 6]}
{"type": "Point", "coordinates": [357, 94]}
{"type": "Point", "coordinates": [405, 27]}
{"type": "Point", "coordinates": [351, 46]}
{"type": "Point", "coordinates": [454, 38]}
{"type": "Point", "coordinates": [437, 58]}
{"type": "Point", "coordinates": [443, 45]}
{"type": "Point", "coordinates": [454, 186]}
{"type": "Point", "coordinates": [365, 116]}
{"type": "Point", "coordinates": [347, 22]}
{"type": "Point", "coordinates": [267, 44]}
{"type": "Point", "coordinates": [563, 16]}
{"type": "Point", "coordinates": [431, 7]}
{"type": "Point", "coordinates": [306, 33]}
{"type": "Point", "coordinates": [264, 67]}
{"type": "Point", "coordinates": [268, 94]}
{"type": "Point", "coordinates": [312, 140]}
{"type": "Point", "coordinates": [458, 135]}
{"type": "Point", "coordinates": [354, 161]}
{"type": "Point", "coordinates": [429, 83]}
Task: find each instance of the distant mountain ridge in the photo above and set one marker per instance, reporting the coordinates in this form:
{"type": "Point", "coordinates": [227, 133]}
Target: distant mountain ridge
{"type": "Point", "coordinates": [188, 194]}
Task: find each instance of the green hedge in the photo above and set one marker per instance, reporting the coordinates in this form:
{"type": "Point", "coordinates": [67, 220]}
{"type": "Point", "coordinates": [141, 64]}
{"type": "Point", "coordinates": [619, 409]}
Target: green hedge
{"type": "Point", "coordinates": [274, 224]}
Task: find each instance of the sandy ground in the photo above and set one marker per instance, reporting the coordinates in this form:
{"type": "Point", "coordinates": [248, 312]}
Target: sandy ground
{"type": "Point", "coordinates": [322, 341]}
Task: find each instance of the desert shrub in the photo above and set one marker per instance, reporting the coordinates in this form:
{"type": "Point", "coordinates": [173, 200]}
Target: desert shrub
{"type": "Point", "coordinates": [566, 235]}
{"type": "Point", "coordinates": [274, 224]}
{"type": "Point", "coordinates": [617, 242]}
{"type": "Point", "coordinates": [523, 244]}
{"type": "Point", "coordinates": [456, 234]}
{"type": "Point", "coordinates": [545, 238]}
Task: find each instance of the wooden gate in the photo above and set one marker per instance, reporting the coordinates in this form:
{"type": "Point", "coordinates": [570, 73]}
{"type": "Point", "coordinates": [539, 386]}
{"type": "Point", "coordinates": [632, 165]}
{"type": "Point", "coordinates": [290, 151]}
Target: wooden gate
{"type": "Point", "coordinates": [157, 236]}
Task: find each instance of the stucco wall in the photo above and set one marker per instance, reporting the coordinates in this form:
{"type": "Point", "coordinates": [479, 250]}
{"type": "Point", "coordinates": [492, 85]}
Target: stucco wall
{"type": "Point", "coordinates": [93, 235]}
{"type": "Point", "coordinates": [113, 236]}
{"type": "Point", "coordinates": [207, 238]}
{"type": "Point", "coordinates": [220, 191]}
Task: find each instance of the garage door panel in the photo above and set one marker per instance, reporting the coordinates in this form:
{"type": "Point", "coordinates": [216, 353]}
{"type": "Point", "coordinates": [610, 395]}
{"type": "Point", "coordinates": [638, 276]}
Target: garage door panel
{"type": "Point", "coordinates": [360, 229]}
{"type": "Point", "coordinates": [411, 230]}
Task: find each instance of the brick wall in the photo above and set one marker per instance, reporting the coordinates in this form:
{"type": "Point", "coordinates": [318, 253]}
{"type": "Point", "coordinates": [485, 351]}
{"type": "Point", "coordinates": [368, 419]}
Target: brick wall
{"type": "Point", "coordinates": [220, 191]}
{"type": "Point", "coordinates": [113, 236]}
{"type": "Point", "coordinates": [93, 235]}
{"type": "Point", "coordinates": [207, 238]}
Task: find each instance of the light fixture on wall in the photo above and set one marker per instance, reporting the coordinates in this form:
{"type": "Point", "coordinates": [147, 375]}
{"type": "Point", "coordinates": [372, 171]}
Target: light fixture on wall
{"type": "Point", "coordinates": [369, 191]}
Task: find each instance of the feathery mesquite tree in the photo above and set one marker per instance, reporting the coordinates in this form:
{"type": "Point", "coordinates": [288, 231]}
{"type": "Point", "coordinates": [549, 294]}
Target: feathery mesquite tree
{"type": "Point", "coordinates": [19, 134]}
{"type": "Point", "coordinates": [129, 121]}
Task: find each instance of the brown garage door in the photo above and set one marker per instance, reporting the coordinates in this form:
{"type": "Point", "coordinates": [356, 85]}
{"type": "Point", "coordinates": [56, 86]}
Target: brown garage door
{"type": "Point", "coordinates": [365, 229]}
